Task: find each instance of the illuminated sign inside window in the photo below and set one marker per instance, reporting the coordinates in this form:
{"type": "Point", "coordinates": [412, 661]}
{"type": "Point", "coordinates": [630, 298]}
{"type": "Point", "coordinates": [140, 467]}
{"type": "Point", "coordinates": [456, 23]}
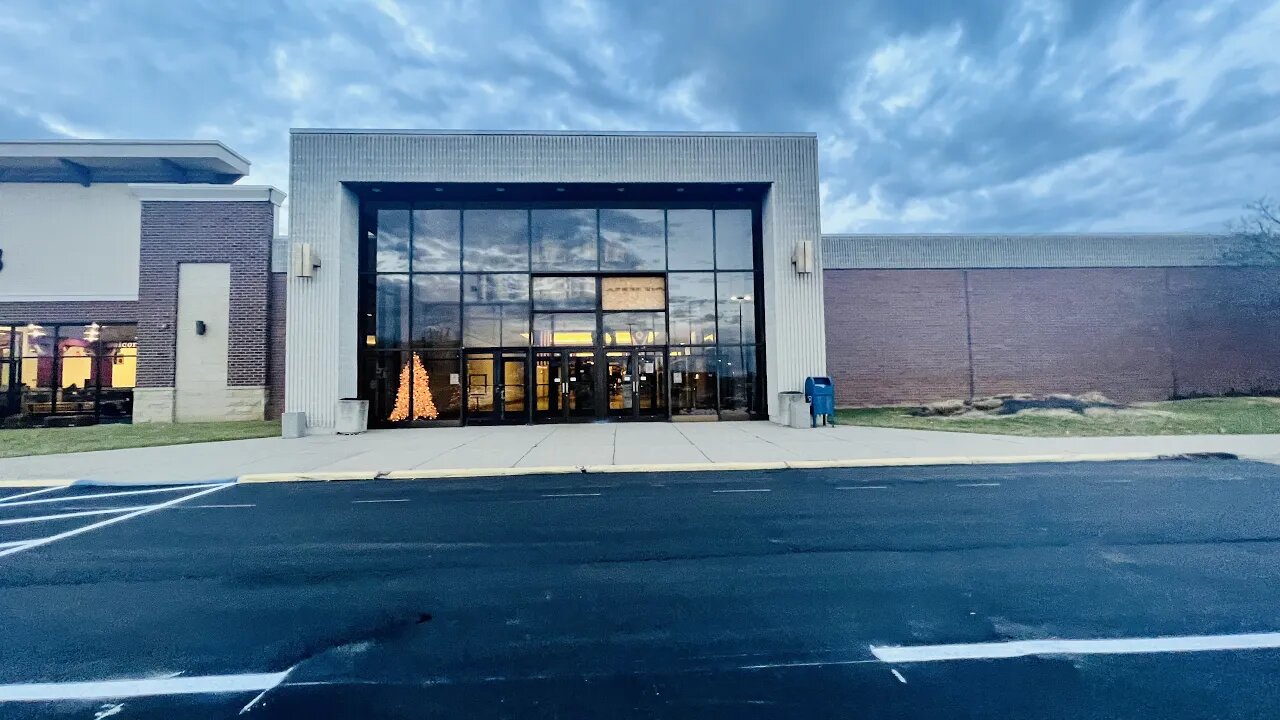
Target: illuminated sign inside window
{"type": "Point", "coordinates": [633, 293]}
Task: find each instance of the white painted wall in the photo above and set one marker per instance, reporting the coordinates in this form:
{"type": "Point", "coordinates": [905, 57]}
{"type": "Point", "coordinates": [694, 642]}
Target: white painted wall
{"type": "Point", "coordinates": [200, 380]}
{"type": "Point", "coordinates": [69, 242]}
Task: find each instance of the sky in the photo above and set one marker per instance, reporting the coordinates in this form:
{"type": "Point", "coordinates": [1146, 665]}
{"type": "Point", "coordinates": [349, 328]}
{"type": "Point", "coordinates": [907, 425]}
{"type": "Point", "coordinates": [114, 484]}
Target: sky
{"type": "Point", "coordinates": [932, 116]}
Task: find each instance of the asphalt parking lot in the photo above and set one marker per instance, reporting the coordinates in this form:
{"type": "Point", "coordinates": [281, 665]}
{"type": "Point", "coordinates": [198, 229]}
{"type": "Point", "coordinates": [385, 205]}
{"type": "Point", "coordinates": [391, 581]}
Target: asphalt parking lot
{"type": "Point", "coordinates": [1022, 591]}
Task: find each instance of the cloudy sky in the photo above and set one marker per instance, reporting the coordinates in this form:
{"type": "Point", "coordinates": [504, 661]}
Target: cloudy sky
{"type": "Point", "coordinates": [932, 116]}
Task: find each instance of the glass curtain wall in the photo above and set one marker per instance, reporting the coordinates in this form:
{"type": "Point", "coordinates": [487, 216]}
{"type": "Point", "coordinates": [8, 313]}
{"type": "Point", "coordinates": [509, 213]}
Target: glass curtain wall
{"type": "Point", "coordinates": [443, 284]}
{"type": "Point", "coordinates": [81, 373]}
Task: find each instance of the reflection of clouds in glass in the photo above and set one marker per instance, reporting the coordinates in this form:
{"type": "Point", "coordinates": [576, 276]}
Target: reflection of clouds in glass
{"type": "Point", "coordinates": [392, 309]}
{"type": "Point", "coordinates": [733, 240]}
{"type": "Point", "coordinates": [392, 248]}
{"type": "Point", "coordinates": [495, 239]}
{"type": "Point", "coordinates": [564, 239]}
{"type": "Point", "coordinates": [691, 298]}
{"type": "Point", "coordinates": [632, 240]}
{"type": "Point", "coordinates": [689, 243]}
{"type": "Point", "coordinates": [435, 240]}
{"type": "Point", "coordinates": [737, 317]}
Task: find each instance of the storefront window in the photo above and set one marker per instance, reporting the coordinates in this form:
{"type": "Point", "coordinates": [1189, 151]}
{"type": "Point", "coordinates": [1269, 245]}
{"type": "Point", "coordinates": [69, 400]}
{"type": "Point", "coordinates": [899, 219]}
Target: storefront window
{"type": "Point", "coordinates": [392, 248]}
{"type": "Point", "coordinates": [632, 240]}
{"type": "Point", "coordinates": [693, 381]}
{"type": "Point", "coordinates": [734, 246]}
{"type": "Point", "coordinates": [735, 293]}
{"type": "Point", "coordinates": [564, 240]}
{"type": "Point", "coordinates": [436, 240]}
{"type": "Point", "coordinates": [87, 371]}
{"type": "Point", "coordinates": [495, 240]}
{"type": "Point", "coordinates": [392, 310]}
{"type": "Point", "coordinates": [737, 377]}
{"type": "Point", "coordinates": [564, 329]}
{"type": "Point", "coordinates": [564, 293]}
{"type": "Point", "coordinates": [635, 328]}
{"type": "Point", "coordinates": [692, 303]}
{"type": "Point", "coordinates": [689, 244]}
{"type": "Point", "coordinates": [437, 320]}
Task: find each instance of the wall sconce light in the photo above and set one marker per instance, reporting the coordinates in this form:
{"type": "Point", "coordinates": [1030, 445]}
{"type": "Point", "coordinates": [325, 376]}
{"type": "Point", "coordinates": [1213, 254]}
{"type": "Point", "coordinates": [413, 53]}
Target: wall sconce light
{"type": "Point", "coordinates": [201, 327]}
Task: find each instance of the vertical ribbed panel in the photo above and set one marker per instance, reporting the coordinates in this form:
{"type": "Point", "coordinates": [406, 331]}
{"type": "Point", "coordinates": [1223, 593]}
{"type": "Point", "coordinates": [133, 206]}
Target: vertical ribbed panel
{"type": "Point", "coordinates": [322, 342]}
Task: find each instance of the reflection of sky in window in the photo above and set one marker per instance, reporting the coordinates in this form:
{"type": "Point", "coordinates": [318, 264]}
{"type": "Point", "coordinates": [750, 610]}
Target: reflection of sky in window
{"type": "Point", "coordinates": [495, 288]}
{"type": "Point", "coordinates": [691, 299]}
{"type": "Point", "coordinates": [435, 240]}
{"type": "Point", "coordinates": [392, 309]}
{"type": "Point", "coordinates": [733, 240]}
{"type": "Point", "coordinates": [632, 240]}
{"type": "Point", "coordinates": [495, 239]}
{"type": "Point", "coordinates": [393, 241]}
{"type": "Point", "coordinates": [564, 239]}
{"type": "Point", "coordinates": [689, 239]}
{"type": "Point", "coordinates": [737, 317]}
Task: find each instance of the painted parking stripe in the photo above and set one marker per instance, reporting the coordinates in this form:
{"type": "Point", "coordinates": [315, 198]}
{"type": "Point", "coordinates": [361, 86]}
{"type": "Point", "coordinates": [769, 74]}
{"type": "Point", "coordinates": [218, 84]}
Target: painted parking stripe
{"type": "Point", "coordinates": [33, 492]}
{"type": "Point", "coordinates": [977, 484]}
{"type": "Point", "coordinates": [743, 490]}
{"type": "Point", "coordinates": [63, 516]}
{"type": "Point", "coordinates": [396, 500]}
{"type": "Point", "coordinates": [1116, 646]}
{"type": "Point", "coordinates": [111, 521]}
{"type": "Point", "coordinates": [863, 487]}
{"type": "Point", "coordinates": [15, 543]}
{"type": "Point", "coordinates": [144, 687]}
{"type": "Point", "coordinates": [69, 498]}
{"type": "Point", "coordinates": [565, 495]}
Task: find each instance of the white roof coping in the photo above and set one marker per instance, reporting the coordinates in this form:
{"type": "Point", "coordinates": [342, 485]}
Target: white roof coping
{"type": "Point", "coordinates": [177, 192]}
{"type": "Point", "coordinates": [120, 161]}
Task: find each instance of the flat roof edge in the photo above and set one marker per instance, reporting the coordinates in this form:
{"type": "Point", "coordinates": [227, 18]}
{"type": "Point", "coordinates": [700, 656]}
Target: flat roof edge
{"type": "Point", "coordinates": [552, 133]}
{"type": "Point", "coordinates": [132, 142]}
{"type": "Point", "coordinates": [171, 192]}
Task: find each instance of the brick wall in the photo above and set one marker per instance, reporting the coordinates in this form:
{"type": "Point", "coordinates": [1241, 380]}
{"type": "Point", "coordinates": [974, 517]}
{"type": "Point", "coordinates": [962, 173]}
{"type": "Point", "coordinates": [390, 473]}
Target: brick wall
{"type": "Point", "coordinates": [235, 232]}
{"type": "Point", "coordinates": [51, 312]}
{"type": "Point", "coordinates": [897, 336]}
{"type": "Point", "coordinates": [275, 369]}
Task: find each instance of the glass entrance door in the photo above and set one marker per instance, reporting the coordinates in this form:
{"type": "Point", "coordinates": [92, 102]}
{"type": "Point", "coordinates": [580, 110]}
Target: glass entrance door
{"type": "Point", "coordinates": [564, 383]}
{"type": "Point", "coordinates": [496, 387]}
{"type": "Point", "coordinates": [636, 384]}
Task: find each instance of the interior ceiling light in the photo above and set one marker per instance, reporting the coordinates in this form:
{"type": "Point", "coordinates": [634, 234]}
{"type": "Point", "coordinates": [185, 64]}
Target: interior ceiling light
{"type": "Point", "coordinates": [500, 189]}
{"type": "Point", "coordinates": [679, 189]}
{"type": "Point", "coordinates": [375, 189]}
{"type": "Point", "coordinates": [621, 189]}
{"type": "Point", "coordinates": [559, 189]}
{"type": "Point", "coordinates": [439, 189]}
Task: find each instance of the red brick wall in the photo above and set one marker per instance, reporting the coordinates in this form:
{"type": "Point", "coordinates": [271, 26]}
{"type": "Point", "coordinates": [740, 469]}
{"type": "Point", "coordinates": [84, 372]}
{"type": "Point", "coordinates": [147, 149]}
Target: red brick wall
{"type": "Point", "coordinates": [235, 232]}
{"type": "Point", "coordinates": [896, 335]}
{"type": "Point", "coordinates": [275, 371]}
{"type": "Point", "coordinates": [1133, 333]}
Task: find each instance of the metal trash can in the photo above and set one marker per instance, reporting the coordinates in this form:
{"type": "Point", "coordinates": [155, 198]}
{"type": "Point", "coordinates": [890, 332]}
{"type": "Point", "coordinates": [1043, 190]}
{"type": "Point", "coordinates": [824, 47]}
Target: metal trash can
{"type": "Point", "coordinates": [789, 402]}
{"type": "Point", "coordinates": [821, 394]}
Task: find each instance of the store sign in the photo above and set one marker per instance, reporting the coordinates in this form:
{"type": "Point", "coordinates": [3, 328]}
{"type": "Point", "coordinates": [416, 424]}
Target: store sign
{"type": "Point", "coordinates": [633, 293]}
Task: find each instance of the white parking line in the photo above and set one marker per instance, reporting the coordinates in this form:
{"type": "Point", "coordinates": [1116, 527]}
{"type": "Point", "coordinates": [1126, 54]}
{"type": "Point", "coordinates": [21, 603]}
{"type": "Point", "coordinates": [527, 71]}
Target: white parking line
{"type": "Point", "coordinates": [148, 491]}
{"type": "Point", "coordinates": [197, 507]}
{"type": "Point", "coordinates": [863, 487]}
{"type": "Point", "coordinates": [744, 490]}
{"type": "Point", "coordinates": [33, 492]}
{"type": "Point", "coordinates": [1115, 482]}
{"type": "Point", "coordinates": [977, 484]}
{"type": "Point", "coordinates": [1117, 646]}
{"type": "Point", "coordinates": [899, 676]}
{"type": "Point", "coordinates": [111, 521]}
{"type": "Point", "coordinates": [62, 516]}
{"type": "Point", "coordinates": [358, 502]}
{"type": "Point", "coordinates": [13, 543]}
{"type": "Point", "coordinates": [144, 687]}
{"type": "Point", "coordinates": [565, 495]}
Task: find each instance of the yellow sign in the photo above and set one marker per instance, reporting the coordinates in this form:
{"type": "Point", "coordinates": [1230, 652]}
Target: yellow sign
{"type": "Point", "coordinates": [633, 293]}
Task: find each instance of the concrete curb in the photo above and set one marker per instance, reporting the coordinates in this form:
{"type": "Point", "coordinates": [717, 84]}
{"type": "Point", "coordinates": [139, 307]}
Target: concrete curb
{"type": "Point", "coordinates": [496, 472]}
{"type": "Point", "coordinates": [449, 473]}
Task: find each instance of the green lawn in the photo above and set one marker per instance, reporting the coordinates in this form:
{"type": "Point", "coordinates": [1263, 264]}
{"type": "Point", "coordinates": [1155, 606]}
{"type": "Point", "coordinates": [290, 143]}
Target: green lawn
{"type": "Point", "coordinates": [44, 441]}
{"type": "Point", "coordinates": [1207, 416]}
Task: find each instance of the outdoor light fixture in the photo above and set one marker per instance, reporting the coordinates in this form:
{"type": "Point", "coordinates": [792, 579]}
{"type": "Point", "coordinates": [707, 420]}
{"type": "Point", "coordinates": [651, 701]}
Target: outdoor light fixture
{"type": "Point", "coordinates": [201, 327]}
{"type": "Point", "coordinates": [92, 332]}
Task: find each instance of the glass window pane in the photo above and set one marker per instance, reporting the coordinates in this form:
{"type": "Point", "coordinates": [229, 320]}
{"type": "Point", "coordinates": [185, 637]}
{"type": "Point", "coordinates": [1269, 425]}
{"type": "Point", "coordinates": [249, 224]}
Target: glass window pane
{"type": "Point", "coordinates": [689, 245]}
{"type": "Point", "coordinates": [481, 325]}
{"type": "Point", "coordinates": [515, 325]}
{"type": "Point", "coordinates": [495, 239]}
{"type": "Point", "coordinates": [632, 240]}
{"type": "Point", "coordinates": [736, 294]}
{"type": "Point", "coordinates": [564, 329]}
{"type": "Point", "coordinates": [391, 311]}
{"type": "Point", "coordinates": [564, 293]}
{"type": "Point", "coordinates": [6, 344]}
{"type": "Point", "coordinates": [692, 304]}
{"type": "Point", "coordinates": [564, 240]}
{"type": "Point", "coordinates": [737, 376]}
{"type": "Point", "coordinates": [75, 352]}
{"type": "Point", "coordinates": [34, 340]}
{"type": "Point", "coordinates": [733, 240]}
{"type": "Point", "coordinates": [633, 292]}
{"type": "Point", "coordinates": [391, 247]}
{"type": "Point", "coordinates": [495, 288]}
{"type": "Point", "coordinates": [436, 244]}
{"type": "Point", "coordinates": [437, 394]}
{"type": "Point", "coordinates": [693, 381]}
{"type": "Point", "coordinates": [436, 318]}
{"type": "Point", "coordinates": [635, 328]}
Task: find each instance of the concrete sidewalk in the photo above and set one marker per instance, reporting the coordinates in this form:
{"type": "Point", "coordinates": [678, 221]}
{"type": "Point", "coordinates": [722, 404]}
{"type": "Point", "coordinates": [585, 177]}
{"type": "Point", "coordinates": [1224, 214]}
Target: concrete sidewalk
{"type": "Point", "coordinates": [475, 449]}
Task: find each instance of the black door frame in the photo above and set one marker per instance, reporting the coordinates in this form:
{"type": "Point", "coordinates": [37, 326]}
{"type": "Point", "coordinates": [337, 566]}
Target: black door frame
{"type": "Point", "coordinates": [633, 368]}
{"type": "Point", "coordinates": [499, 414]}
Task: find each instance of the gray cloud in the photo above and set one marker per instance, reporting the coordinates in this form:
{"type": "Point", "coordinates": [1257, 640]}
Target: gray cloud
{"type": "Point", "coordinates": [983, 115]}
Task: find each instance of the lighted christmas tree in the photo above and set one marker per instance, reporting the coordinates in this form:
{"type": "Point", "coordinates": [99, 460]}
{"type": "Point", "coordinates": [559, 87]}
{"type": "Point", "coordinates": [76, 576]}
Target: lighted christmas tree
{"type": "Point", "coordinates": [424, 408]}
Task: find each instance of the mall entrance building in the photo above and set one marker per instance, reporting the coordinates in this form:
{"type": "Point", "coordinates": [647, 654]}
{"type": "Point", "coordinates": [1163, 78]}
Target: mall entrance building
{"type": "Point", "coordinates": [512, 278]}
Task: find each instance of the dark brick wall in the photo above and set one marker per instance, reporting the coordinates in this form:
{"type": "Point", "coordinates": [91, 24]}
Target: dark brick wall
{"type": "Point", "coordinates": [234, 232]}
{"type": "Point", "coordinates": [896, 335]}
{"type": "Point", "coordinates": [275, 371]}
{"type": "Point", "coordinates": [1132, 333]}
{"type": "Point", "coordinates": [101, 311]}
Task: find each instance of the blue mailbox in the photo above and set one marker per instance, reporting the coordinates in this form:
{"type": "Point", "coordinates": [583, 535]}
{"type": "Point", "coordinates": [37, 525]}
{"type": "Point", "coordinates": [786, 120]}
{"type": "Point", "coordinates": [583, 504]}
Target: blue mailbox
{"type": "Point", "coordinates": [821, 394]}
